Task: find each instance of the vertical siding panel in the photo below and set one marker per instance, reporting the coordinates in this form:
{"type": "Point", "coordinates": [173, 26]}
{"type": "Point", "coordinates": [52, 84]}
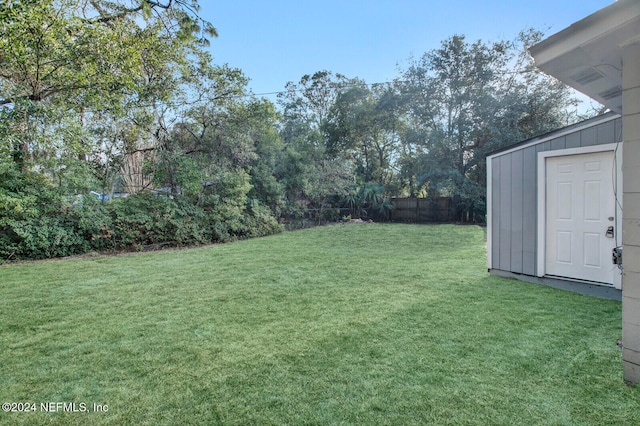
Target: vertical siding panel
{"type": "Point", "coordinates": [573, 140]}
{"type": "Point", "coordinates": [558, 143]}
{"type": "Point", "coordinates": [495, 212]}
{"type": "Point", "coordinates": [529, 211]}
{"type": "Point", "coordinates": [606, 132]}
{"type": "Point", "coordinates": [589, 137]}
{"type": "Point", "coordinates": [544, 146]}
{"type": "Point", "coordinates": [505, 213]}
{"type": "Point", "coordinates": [516, 211]}
{"type": "Point", "coordinates": [618, 129]}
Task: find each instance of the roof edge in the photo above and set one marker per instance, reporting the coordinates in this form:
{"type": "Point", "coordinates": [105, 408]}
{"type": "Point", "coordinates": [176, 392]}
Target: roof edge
{"type": "Point", "coordinates": [593, 121]}
{"type": "Point", "coordinates": [596, 24]}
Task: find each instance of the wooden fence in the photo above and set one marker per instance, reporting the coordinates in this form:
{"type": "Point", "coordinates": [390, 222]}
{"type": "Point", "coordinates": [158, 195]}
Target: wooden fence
{"type": "Point", "coordinates": [442, 209]}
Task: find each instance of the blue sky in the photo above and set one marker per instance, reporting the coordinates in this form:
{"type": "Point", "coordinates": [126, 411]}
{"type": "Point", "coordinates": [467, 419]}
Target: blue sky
{"type": "Point", "coordinates": [277, 41]}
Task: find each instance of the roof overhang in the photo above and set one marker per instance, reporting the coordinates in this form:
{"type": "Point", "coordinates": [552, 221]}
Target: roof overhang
{"type": "Point", "coordinates": [588, 55]}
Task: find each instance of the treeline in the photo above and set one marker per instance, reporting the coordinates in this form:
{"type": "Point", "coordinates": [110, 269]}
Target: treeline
{"type": "Point", "coordinates": [118, 131]}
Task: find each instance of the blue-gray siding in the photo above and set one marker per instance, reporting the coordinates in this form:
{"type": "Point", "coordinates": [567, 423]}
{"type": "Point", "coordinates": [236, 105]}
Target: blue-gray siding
{"type": "Point", "coordinates": [513, 201]}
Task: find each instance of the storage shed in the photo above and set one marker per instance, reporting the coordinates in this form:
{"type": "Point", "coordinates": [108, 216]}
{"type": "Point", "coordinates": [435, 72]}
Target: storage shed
{"type": "Point", "coordinates": [600, 56]}
{"type": "Point", "coordinates": [554, 206]}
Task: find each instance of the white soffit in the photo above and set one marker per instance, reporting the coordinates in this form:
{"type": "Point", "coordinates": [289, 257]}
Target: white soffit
{"type": "Point", "coordinates": [588, 55]}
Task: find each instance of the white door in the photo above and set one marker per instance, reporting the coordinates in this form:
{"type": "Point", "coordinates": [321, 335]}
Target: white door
{"type": "Point", "coordinates": [580, 210]}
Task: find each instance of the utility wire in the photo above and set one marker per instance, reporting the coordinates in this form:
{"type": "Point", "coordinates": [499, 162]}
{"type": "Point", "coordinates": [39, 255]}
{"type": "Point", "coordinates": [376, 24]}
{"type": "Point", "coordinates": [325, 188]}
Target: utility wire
{"type": "Point", "coordinates": [342, 86]}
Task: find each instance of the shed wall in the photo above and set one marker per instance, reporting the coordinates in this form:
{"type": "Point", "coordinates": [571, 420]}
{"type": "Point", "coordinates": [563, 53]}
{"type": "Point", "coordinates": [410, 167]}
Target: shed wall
{"type": "Point", "coordinates": [513, 193]}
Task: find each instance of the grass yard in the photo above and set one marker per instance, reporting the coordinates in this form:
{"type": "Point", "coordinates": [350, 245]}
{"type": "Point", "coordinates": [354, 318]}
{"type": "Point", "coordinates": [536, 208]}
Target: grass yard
{"type": "Point", "coordinates": [353, 324]}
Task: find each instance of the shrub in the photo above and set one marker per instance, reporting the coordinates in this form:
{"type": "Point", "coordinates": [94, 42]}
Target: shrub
{"type": "Point", "coordinates": [258, 221]}
{"type": "Point", "coordinates": [38, 221]}
{"type": "Point", "coordinates": [35, 219]}
{"type": "Point", "coordinates": [147, 219]}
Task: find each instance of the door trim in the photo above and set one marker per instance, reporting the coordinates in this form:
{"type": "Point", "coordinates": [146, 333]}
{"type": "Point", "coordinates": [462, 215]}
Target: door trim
{"type": "Point", "coordinates": [616, 148]}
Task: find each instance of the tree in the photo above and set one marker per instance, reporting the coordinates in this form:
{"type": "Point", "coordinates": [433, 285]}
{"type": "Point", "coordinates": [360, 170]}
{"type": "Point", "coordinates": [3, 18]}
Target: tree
{"type": "Point", "coordinates": [266, 171]}
{"type": "Point", "coordinates": [207, 135]}
{"type": "Point", "coordinates": [529, 104]}
{"type": "Point", "coordinates": [64, 60]}
{"type": "Point", "coordinates": [364, 125]}
{"type": "Point", "coordinates": [305, 109]}
{"type": "Point", "coordinates": [466, 98]}
{"type": "Point", "coordinates": [310, 100]}
{"type": "Point", "coordinates": [450, 88]}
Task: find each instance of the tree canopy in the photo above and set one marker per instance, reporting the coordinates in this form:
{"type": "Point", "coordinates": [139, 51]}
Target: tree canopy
{"type": "Point", "coordinates": [121, 97]}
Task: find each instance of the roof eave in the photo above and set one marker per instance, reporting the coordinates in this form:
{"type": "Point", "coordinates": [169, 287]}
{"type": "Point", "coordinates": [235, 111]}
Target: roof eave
{"type": "Point", "coordinates": [587, 55]}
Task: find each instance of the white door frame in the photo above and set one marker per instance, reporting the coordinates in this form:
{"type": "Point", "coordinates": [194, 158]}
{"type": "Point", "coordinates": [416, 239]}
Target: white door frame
{"type": "Point", "coordinates": [616, 148]}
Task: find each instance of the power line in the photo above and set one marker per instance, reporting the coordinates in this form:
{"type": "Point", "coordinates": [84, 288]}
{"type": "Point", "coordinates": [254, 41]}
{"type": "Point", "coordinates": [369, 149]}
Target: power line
{"type": "Point", "coordinates": [361, 83]}
{"type": "Point", "coordinates": [342, 86]}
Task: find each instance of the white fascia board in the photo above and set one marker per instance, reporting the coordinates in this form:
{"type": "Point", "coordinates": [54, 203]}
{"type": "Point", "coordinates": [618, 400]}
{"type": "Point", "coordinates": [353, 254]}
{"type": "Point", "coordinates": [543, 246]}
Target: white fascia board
{"type": "Point", "coordinates": [592, 27]}
{"type": "Point", "coordinates": [549, 137]}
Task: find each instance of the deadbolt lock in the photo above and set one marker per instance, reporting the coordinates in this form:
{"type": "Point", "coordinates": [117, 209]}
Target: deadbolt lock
{"type": "Point", "coordinates": [609, 232]}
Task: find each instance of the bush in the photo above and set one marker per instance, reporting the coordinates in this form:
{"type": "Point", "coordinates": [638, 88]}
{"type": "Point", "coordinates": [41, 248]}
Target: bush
{"type": "Point", "coordinates": [35, 220]}
{"type": "Point", "coordinates": [259, 222]}
{"type": "Point", "coordinates": [38, 221]}
{"type": "Point", "coordinates": [148, 219]}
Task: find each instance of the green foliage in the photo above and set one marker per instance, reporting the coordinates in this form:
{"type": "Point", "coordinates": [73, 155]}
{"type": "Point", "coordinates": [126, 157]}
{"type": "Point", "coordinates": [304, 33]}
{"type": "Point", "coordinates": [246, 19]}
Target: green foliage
{"type": "Point", "coordinates": [179, 173]}
{"type": "Point", "coordinates": [368, 202]}
{"type": "Point", "coordinates": [148, 220]}
{"type": "Point", "coordinates": [466, 99]}
{"type": "Point", "coordinates": [224, 200]}
{"type": "Point", "coordinates": [35, 219]}
{"type": "Point", "coordinates": [38, 221]}
{"type": "Point", "coordinates": [267, 170]}
{"type": "Point", "coordinates": [259, 221]}
{"type": "Point", "coordinates": [105, 96]}
{"type": "Point", "coordinates": [363, 125]}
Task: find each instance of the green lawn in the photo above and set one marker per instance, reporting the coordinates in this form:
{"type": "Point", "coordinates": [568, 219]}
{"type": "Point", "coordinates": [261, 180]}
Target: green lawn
{"type": "Point", "coordinates": [352, 324]}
